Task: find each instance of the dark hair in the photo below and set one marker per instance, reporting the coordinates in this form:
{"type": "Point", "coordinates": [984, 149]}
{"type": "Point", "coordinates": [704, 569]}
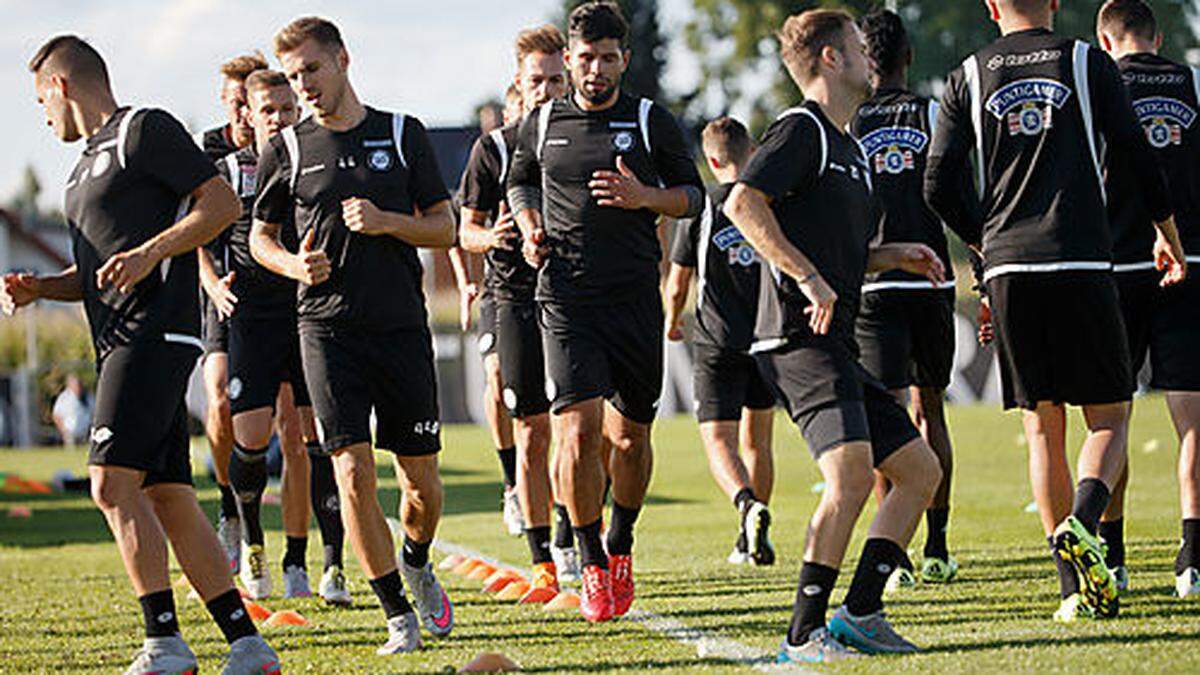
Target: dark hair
{"type": "Point", "coordinates": [598, 20]}
{"type": "Point", "coordinates": [71, 55]}
{"type": "Point", "coordinates": [804, 36]}
{"type": "Point", "coordinates": [295, 33]}
{"type": "Point", "coordinates": [1124, 17]}
{"type": "Point", "coordinates": [888, 48]}
{"type": "Point", "coordinates": [727, 140]}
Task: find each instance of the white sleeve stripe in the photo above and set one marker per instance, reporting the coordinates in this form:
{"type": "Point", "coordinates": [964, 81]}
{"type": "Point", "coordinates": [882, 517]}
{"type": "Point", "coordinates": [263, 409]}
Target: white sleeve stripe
{"type": "Point", "coordinates": [706, 221]}
{"type": "Point", "coordinates": [1196, 83]}
{"type": "Point", "coordinates": [543, 126]}
{"type": "Point", "coordinates": [123, 134]}
{"type": "Point", "coordinates": [824, 139]}
{"type": "Point", "coordinates": [501, 147]}
{"type": "Point", "coordinates": [235, 173]}
{"type": "Point", "coordinates": [292, 144]}
{"type": "Point", "coordinates": [971, 75]}
{"type": "Point", "coordinates": [933, 115]}
{"type": "Point", "coordinates": [398, 120]}
{"type": "Point", "coordinates": [1083, 89]}
{"type": "Point", "coordinates": [644, 107]}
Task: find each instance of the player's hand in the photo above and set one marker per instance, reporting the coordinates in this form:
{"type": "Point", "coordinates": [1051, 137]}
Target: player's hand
{"type": "Point", "coordinates": [312, 264]}
{"type": "Point", "coordinates": [821, 298]}
{"type": "Point", "coordinates": [504, 233]}
{"type": "Point", "coordinates": [1169, 259]}
{"type": "Point", "coordinates": [620, 189]}
{"type": "Point", "coordinates": [466, 298]}
{"type": "Point", "coordinates": [920, 259]}
{"type": "Point", "coordinates": [363, 217]}
{"type": "Point", "coordinates": [17, 289]}
{"type": "Point", "coordinates": [534, 248]}
{"type": "Point", "coordinates": [124, 270]}
{"type": "Point", "coordinates": [222, 296]}
{"type": "Point", "coordinates": [987, 331]}
{"type": "Point", "coordinates": [674, 330]}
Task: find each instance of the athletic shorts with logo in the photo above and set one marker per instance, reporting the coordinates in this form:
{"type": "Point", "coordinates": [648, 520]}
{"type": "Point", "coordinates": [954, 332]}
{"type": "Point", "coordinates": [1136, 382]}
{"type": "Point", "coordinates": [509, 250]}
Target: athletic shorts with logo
{"type": "Point", "coordinates": [726, 381]}
{"type": "Point", "coordinates": [141, 419]}
{"type": "Point", "coordinates": [522, 362]}
{"type": "Point", "coordinates": [1164, 324]}
{"type": "Point", "coordinates": [833, 399]}
{"type": "Point", "coordinates": [264, 352]}
{"type": "Point", "coordinates": [214, 329]}
{"type": "Point", "coordinates": [906, 337]}
{"type": "Point", "coordinates": [1060, 338]}
{"type": "Point", "coordinates": [352, 373]}
{"type": "Point", "coordinates": [486, 328]}
{"type": "Point", "coordinates": [613, 351]}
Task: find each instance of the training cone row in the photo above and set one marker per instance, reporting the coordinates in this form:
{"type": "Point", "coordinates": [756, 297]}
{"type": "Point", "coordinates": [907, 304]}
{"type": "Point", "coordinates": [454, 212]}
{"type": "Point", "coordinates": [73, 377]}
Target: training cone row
{"type": "Point", "coordinates": [508, 584]}
{"type": "Point", "coordinates": [257, 612]}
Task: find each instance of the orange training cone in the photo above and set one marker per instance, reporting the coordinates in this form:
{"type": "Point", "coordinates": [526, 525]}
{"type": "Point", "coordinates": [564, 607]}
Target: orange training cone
{"type": "Point", "coordinates": [502, 578]}
{"type": "Point", "coordinates": [464, 568]}
{"type": "Point", "coordinates": [451, 561]}
{"type": "Point", "coordinates": [490, 662]}
{"type": "Point", "coordinates": [514, 591]}
{"type": "Point", "coordinates": [481, 572]}
{"type": "Point", "coordinates": [538, 596]}
{"type": "Point", "coordinates": [562, 601]}
{"type": "Point", "coordinates": [257, 611]}
{"type": "Point", "coordinates": [286, 617]}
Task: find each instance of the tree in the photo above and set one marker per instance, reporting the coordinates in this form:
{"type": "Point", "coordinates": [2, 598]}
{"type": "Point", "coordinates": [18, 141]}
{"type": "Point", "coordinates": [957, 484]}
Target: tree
{"type": "Point", "coordinates": [649, 48]}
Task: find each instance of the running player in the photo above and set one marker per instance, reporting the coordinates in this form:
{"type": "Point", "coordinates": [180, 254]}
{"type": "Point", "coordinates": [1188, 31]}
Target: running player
{"type": "Point", "coordinates": [905, 329]}
{"type": "Point", "coordinates": [803, 202]}
{"type": "Point", "coordinates": [1039, 109]}
{"type": "Point", "coordinates": [139, 201]}
{"type": "Point", "coordinates": [487, 227]}
{"type": "Point", "coordinates": [364, 190]}
{"type": "Point", "coordinates": [732, 401]}
{"type": "Point", "coordinates": [602, 156]}
{"type": "Point", "coordinates": [266, 378]}
{"type": "Point", "coordinates": [1161, 322]}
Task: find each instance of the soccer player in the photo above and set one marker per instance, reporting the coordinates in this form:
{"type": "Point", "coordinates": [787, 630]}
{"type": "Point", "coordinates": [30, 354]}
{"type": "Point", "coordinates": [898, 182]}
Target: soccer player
{"type": "Point", "coordinates": [905, 328]}
{"type": "Point", "coordinates": [804, 203]}
{"type": "Point", "coordinates": [364, 191]}
{"type": "Point", "coordinates": [611, 165]}
{"type": "Point", "coordinates": [139, 201]}
{"type": "Point", "coordinates": [732, 401]}
{"type": "Point", "coordinates": [1040, 110]}
{"type": "Point", "coordinates": [266, 380]}
{"type": "Point", "coordinates": [487, 227]}
{"type": "Point", "coordinates": [1158, 321]}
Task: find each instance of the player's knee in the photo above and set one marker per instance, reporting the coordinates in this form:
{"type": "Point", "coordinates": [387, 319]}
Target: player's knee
{"type": "Point", "coordinates": [851, 486]}
{"type": "Point", "coordinates": [358, 479]}
{"type": "Point", "coordinates": [109, 493]}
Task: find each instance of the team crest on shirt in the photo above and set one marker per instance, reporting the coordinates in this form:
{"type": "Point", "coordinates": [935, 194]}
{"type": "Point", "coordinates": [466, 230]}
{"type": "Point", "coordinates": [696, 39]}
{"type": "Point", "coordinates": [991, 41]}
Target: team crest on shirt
{"type": "Point", "coordinates": [731, 241]}
{"type": "Point", "coordinates": [1027, 106]}
{"type": "Point", "coordinates": [894, 149]}
{"type": "Point", "coordinates": [379, 160]}
{"type": "Point", "coordinates": [249, 182]}
{"type": "Point", "coordinates": [623, 141]}
{"type": "Point", "coordinates": [1164, 119]}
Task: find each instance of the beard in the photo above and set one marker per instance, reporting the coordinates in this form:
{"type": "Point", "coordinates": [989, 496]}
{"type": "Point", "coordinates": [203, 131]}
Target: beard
{"type": "Point", "coordinates": [599, 97]}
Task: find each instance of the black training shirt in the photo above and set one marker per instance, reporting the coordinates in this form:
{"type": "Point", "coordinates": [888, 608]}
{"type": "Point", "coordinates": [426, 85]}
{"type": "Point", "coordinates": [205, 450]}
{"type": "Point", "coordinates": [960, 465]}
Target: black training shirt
{"type": "Point", "coordinates": [216, 144]}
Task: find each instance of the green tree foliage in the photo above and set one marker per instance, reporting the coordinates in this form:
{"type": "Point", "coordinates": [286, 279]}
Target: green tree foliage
{"type": "Point", "coordinates": [649, 50]}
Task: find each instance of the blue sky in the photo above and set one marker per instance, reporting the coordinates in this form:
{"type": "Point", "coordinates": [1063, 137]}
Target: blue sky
{"type": "Point", "coordinates": [430, 58]}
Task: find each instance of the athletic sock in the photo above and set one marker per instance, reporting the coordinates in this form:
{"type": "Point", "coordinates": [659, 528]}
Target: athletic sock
{"type": "Point", "coordinates": [620, 531]}
{"type": "Point", "coordinates": [248, 478]}
{"type": "Point", "coordinates": [591, 549]}
{"type": "Point", "coordinates": [741, 545]}
{"type": "Point", "coordinates": [1189, 551]}
{"type": "Point", "coordinates": [415, 553]}
{"type": "Point", "coordinates": [742, 498]}
{"type": "Point", "coordinates": [294, 554]}
{"type": "Point", "coordinates": [1113, 532]}
{"type": "Point", "coordinates": [326, 504]}
{"type": "Point", "coordinates": [508, 461]}
{"type": "Point", "coordinates": [228, 502]}
{"type": "Point", "coordinates": [1068, 581]}
{"type": "Point", "coordinates": [905, 562]}
{"type": "Point", "coordinates": [812, 601]}
{"type": "Point", "coordinates": [935, 533]}
{"type": "Point", "coordinates": [1091, 499]}
{"type": "Point", "coordinates": [231, 616]}
{"type": "Point", "coordinates": [390, 591]}
{"type": "Point", "coordinates": [538, 539]}
{"type": "Point", "coordinates": [158, 609]}
{"type": "Point", "coordinates": [879, 557]}
{"type": "Point", "coordinates": [564, 535]}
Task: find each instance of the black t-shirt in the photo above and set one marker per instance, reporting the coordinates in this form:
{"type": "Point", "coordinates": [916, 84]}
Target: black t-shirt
{"type": "Point", "coordinates": [894, 129]}
{"type": "Point", "coordinates": [820, 185]}
{"type": "Point", "coordinates": [217, 145]}
{"type": "Point", "coordinates": [132, 182]}
{"type": "Point", "coordinates": [728, 271]}
{"type": "Point", "coordinates": [1040, 111]}
{"type": "Point", "coordinates": [259, 291]}
{"type": "Point", "coordinates": [375, 281]}
{"type": "Point", "coordinates": [598, 254]}
{"type": "Point", "coordinates": [1166, 98]}
{"type": "Point", "coordinates": [506, 274]}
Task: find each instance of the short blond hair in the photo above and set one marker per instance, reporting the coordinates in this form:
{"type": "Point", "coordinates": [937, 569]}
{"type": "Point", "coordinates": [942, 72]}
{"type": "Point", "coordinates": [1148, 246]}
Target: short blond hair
{"type": "Point", "coordinates": [314, 28]}
{"type": "Point", "coordinates": [546, 39]}
{"type": "Point", "coordinates": [239, 67]}
{"type": "Point", "coordinates": [804, 36]}
{"type": "Point", "coordinates": [265, 79]}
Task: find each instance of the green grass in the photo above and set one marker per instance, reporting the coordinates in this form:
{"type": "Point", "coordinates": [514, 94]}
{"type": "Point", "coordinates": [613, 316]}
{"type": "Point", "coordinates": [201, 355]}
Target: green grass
{"type": "Point", "coordinates": [68, 607]}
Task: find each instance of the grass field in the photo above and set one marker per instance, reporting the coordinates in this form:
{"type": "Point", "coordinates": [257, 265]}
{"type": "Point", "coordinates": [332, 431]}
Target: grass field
{"type": "Point", "coordinates": [67, 605]}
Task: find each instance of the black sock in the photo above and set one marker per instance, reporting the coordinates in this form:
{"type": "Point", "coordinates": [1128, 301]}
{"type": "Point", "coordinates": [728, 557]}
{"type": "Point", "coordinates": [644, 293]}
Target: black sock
{"type": "Point", "coordinates": [741, 544]}
{"type": "Point", "coordinates": [1189, 551]}
{"type": "Point", "coordinates": [248, 478]}
{"type": "Point", "coordinates": [812, 601]}
{"type": "Point", "coordinates": [158, 609]}
{"type": "Point", "coordinates": [415, 553]}
{"type": "Point", "coordinates": [294, 554]}
{"type": "Point", "coordinates": [1068, 581]}
{"type": "Point", "coordinates": [743, 497]}
{"type": "Point", "coordinates": [390, 591]}
{"type": "Point", "coordinates": [935, 533]}
{"type": "Point", "coordinates": [231, 616]}
{"type": "Point", "coordinates": [1113, 532]}
{"type": "Point", "coordinates": [591, 549]}
{"type": "Point", "coordinates": [1091, 499]}
{"type": "Point", "coordinates": [539, 544]}
{"type": "Point", "coordinates": [228, 502]}
{"type": "Point", "coordinates": [879, 557]}
{"type": "Point", "coordinates": [620, 530]}
{"type": "Point", "coordinates": [508, 461]}
{"type": "Point", "coordinates": [326, 504]}
{"type": "Point", "coordinates": [906, 562]}
{"type": "Point", "coordinates": [564, 535]}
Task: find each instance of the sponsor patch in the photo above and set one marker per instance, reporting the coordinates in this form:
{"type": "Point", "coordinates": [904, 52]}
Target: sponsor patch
{"type": "Point", "coordinates": [1164, 119]}
{"type": "Point", "coordinates": [1027, 106]}
{"type": "Point", "coordinates": [894, 149]}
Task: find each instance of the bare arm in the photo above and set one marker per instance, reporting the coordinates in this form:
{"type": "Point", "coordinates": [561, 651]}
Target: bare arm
{"type": "Point", "coordinates": [310, 266]}
{"type": "Point", "coordinates": [19, 289]}
{"type": "Point", "coordinates": [622, 189]}
{"type": "Point", "coordinates": [914, 258]}
{"type": "Point", "coordinates": [474, 236]}
{"type": "Point", "coordinates": [431, 228]}
{"type": "Point", "coordinates": [679, 280]}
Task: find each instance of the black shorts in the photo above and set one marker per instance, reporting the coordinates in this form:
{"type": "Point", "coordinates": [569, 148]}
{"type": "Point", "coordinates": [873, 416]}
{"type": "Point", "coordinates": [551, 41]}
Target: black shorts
{"type": "Point", "coordinates": [1162, 323]}
{"type": "Point", "coordinates": [725, 381]}
{"type": "Point", "coordinates": [1060, 338]}
{"type": "Point", "coordinates": [264, 353]}
{"type": "Point", "coordinates": [522, 365]}
{"type": "Point", "coordinates": [612, 351]}
{"type": "Point", "coordinates": [486, 329]}
{"type": "Point", "coordinates": [906, 337]}
{"type": "Point", "coordinates": [141, 420]}
{"type": "Point", "coordinates": [353, 373]}
{"type": "Point", "coordinates": [214, 329]}
{"type": "Point", "coordinates": [834, 400]}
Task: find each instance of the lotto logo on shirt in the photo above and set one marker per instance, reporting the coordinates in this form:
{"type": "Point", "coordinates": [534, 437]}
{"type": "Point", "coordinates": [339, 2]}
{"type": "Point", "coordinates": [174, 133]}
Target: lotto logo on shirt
{"type": "Point", "coordinates": [1027, 106]}
{"type": "Point", "coordinates": [1164, 119]}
